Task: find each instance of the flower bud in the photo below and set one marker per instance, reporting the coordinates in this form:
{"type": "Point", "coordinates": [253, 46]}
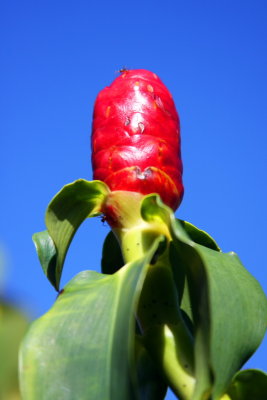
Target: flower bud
{"type": "Point", "coordinates": [136, 137]}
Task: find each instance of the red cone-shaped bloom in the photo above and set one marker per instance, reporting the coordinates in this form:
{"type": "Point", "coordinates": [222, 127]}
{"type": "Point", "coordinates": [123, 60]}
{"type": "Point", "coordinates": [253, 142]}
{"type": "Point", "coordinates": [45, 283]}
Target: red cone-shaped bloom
{"type": "Point", "coordinates": [136, 137]}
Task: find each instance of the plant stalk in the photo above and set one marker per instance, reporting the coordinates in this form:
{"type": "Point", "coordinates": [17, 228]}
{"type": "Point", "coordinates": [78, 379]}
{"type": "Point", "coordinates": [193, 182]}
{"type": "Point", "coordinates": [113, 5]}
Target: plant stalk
{"type": "Point", "coordinates": [165, 333]}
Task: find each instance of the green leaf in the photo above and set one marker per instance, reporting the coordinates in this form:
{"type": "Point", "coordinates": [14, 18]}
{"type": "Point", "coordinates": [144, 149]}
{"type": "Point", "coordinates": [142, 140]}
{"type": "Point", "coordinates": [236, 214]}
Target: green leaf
{"type": "Point", "coordinates": [68, 209]}
{"type": "Point", "coordinates": [229, 310]}
{"type": "Point", "coordinates": [226, 303]}
{"type": "Point", "coordinates": [83, 348]}
{"type": "Point", "coordinates": [112, 259]}
{"type": "Point", "coordinates": [151, 385]}
{"type": "Point", "coordinates": [47, 253]}
{"type": "Point", "coordinates": [249, 384]}
{"type": "Point", "coordinates": [153, 209]}
{"type": "Point", "coordinates": [199, 236]}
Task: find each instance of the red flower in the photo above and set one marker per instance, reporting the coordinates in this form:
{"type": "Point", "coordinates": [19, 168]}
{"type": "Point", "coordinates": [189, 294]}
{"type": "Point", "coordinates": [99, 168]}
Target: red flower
{"type": "Point", "coordinates": [136, 137]}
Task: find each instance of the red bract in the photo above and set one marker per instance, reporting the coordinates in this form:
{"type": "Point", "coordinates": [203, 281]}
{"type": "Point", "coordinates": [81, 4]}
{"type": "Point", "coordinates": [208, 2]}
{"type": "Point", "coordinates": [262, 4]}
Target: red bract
{"type": "Point", "coordinates": [136, 137]}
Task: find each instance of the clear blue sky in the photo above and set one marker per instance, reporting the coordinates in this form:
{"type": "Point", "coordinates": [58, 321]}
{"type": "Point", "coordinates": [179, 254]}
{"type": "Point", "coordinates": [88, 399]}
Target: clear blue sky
{"type": "Point", "coordinates": [57, 55]}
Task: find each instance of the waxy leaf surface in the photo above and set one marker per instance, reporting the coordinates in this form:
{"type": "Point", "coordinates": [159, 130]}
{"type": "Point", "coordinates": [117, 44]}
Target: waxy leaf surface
{"type": "Point", "coordinates": [83, 348]}
{"type": "Point", "coordinates": [228, 305]}
{"type": "Point", "coordinates": [67, 210]}
{"type": "Point", "coordinates": [229, 311]}
{"type": "Point", "coordinates": [250, 384]}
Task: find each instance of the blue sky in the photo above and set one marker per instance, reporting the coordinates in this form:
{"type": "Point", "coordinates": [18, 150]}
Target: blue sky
{"type": "Point", "coordinates": [57, 55]}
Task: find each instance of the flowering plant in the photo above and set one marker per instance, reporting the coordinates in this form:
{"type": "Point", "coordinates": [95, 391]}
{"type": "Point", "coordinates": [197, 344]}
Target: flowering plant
{"type": "Point", "coordinates": [169, 309]}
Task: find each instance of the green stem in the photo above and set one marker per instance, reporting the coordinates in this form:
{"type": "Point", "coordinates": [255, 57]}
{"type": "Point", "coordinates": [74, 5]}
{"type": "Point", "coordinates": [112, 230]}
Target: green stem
{"type": "Point", "coordinates": [165, 333]}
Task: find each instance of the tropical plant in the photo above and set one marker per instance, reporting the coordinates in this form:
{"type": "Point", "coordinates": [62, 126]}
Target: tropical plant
{"type": "Point", "coordinates": [169, 309]}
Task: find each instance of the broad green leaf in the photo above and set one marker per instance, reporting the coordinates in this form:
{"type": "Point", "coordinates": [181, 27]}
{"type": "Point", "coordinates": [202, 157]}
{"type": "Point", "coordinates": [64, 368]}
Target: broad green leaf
{"type": "Point", "coordinates": [151, 385]}
{"type": "Point", "coordinates": [199, 236]}
{"type": "Point", "coordinates": [227, 305]}
{"type": "Point", "coordinates": [249, 384]}
{"type": "Point", "coordinates": [47, 253]}
{"type": "Point", "coordinates": [229, 310]}
{"type": "Point", "coordinates": [112, 259]}
{"type": "Point", "coordinates": [68, 209]}
{"type": "Point", "coordinates": [13, 325]}
{"type": "Point", "coordinates": [83, 347]}
{"type": "Point", "coordinates": [153, 209]}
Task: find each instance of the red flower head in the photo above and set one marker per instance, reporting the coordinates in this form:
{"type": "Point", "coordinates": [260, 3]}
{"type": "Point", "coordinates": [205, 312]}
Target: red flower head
{"type": "Point", "coordinates": [136, 137]}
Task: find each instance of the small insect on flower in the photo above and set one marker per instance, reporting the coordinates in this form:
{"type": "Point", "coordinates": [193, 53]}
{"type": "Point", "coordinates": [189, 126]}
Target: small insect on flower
{"type": "Point", "coordinates": [123, 69]}
{"type": "Point", "coordinates": [136, 137]}
{"type": "Point", "coordinates": [103, 219]}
